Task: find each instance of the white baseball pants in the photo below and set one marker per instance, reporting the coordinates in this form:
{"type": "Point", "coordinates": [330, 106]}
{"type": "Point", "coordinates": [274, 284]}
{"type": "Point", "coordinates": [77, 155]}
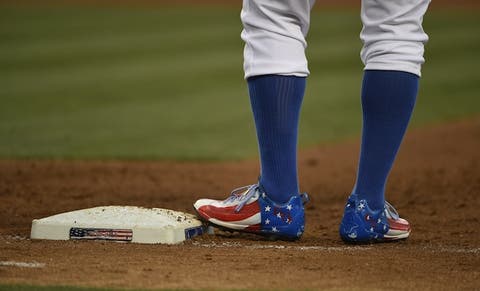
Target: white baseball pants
{"type": "Point", "coordinates": [274, 34]}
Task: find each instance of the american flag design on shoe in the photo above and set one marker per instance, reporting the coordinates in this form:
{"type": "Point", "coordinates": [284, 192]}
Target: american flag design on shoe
{"type": "Point", "coordinates": [249, 209]}
{"type": "Point", "coordinates": [361, 224]}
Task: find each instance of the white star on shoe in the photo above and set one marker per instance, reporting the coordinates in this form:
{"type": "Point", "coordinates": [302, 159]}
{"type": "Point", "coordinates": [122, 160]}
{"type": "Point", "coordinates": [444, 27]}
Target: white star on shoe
{"type": "Point", "coordinates": [274, 229]}
{"type": "Point", "coordinates": [267, 208]}
{"type": "Point", "coordinates": [279, 215]}
{"type": "Point", "coordinates": [361, 206]}
{"type": "Point", "coordinates": [267, 221]}
{"type": "Point", "coordinates": [289, 207]}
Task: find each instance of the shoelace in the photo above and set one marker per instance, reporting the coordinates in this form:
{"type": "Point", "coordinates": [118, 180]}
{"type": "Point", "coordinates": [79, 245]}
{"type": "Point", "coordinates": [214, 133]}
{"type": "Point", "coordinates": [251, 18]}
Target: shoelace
{"type": "Point", "coordinates": [242, 194]}
{"type": "Point", "coordinates": [390, 210]}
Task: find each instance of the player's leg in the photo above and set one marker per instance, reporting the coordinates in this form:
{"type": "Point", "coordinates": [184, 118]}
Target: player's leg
{"type": "Point", "coordinates": [393, 54]}
{"type": "Point", "coordinates": [275, 68]}
{"type": "Point", "coordinates": [276, 102]}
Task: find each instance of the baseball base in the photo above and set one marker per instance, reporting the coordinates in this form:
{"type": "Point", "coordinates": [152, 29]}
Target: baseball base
{"type": "Point", "coordinates": [119, 223]}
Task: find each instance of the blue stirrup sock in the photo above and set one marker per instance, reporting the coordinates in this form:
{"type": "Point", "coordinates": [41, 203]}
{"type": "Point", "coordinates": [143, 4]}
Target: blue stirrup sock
{"type": "Point", "coordinates": [276, 101]}
{"type": "Point", "coordinates": [388, 99]}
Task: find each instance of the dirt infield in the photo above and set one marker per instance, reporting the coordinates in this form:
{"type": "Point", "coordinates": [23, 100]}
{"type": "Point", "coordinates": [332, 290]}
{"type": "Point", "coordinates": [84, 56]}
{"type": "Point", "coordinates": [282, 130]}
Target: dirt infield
{"type": "Point", "coordinates": [435, 184]}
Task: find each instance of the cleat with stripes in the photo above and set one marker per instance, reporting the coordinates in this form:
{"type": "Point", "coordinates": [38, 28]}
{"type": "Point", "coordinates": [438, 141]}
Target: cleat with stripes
{"type": "Point", "coordinates": [249, 209]}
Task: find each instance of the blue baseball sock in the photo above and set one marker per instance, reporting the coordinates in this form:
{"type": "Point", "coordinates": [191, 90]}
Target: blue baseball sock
{"type": "Point", "coordinates": [388, 98]}
{"type": "Point", "coordinates": [276, 102]}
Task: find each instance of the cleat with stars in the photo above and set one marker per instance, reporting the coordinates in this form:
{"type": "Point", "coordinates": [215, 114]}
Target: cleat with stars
{"type": "Point", "coordinates": [360, 224]}
{"type": "Point", "coordinates": [249, 209]}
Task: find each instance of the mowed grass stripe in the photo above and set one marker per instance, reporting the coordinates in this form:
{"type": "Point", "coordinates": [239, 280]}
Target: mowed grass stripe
{"type": "Point", "coordinates": [109, 46]}
{"type": "Point", "coordinates": [130, 70]}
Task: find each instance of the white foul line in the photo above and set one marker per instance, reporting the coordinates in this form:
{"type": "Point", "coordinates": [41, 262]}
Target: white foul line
{"type": "Point", "coordinates": [434, 249]}
{"type": "Point", "coordinates": [22, 264]}
{"type": "Point", "coordinates": [453, 250]}
{"type": "Point", "coordinates": [280, 247]}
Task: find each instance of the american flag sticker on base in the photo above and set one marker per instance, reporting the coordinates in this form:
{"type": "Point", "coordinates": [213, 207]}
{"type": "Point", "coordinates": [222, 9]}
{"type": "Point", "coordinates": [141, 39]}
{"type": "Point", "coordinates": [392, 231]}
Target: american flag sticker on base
{"type": "Point", "coordinates": [119, 223]}
{"type": "Point", "coordinates": [101, 233]}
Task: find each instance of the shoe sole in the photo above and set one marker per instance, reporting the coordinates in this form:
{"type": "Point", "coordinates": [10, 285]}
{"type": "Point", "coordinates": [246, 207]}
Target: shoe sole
{"type": "Point", "coordinates": [385, 239]}
{"type": "Point", "coordinates": [400, 236]}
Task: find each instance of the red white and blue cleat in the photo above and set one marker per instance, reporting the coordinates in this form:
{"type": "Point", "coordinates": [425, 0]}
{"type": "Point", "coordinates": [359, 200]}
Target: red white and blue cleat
{"type": "Point", "coordinates": [360, 224]}
{"type": "Point", "coordinates": [249, 209]}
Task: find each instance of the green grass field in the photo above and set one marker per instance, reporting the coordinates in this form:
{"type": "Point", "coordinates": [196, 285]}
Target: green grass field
{"type": "Point", "coordinates": [168, 83]}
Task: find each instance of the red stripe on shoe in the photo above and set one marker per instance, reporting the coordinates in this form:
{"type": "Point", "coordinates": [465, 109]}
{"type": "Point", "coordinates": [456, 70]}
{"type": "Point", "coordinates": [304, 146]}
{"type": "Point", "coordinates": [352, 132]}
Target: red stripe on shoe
{"type": "Point", "coordinates": [399, 224]}
{"type": "Point", "coordinates": [228, 213]}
